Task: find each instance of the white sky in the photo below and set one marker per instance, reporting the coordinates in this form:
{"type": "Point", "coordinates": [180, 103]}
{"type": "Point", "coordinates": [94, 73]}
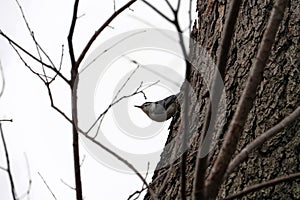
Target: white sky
{"type": "Point", "coordinates": [38, 130]}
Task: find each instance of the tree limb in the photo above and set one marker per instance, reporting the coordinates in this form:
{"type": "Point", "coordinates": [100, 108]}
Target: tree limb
{"type": "Point", "coordinates": [71, 32]}
{"type": "Point", "coordinates": [245, 104]}
{"type": "Point", "coordinates": [102, 27]}
{"type": "Point", "coordinates": [216, 92]}
{"type": "Point", "coordinates": [186, 91]}
{"type": "Point", "coordinates": [261, 139]}
{"type": "Point", "coordinates": [8, 169]}
{"type": "Point", "coordinates": [265, 184]}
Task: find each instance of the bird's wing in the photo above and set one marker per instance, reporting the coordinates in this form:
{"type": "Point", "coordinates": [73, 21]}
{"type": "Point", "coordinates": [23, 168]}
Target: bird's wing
{"type": "Point", "coordinates": [164, 104]}
{"type": "Point", "coordinates": [169, 100]}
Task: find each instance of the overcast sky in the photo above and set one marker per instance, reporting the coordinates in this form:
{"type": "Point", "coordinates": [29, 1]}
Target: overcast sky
{"type": "Point", "coordinates": [42, 133]}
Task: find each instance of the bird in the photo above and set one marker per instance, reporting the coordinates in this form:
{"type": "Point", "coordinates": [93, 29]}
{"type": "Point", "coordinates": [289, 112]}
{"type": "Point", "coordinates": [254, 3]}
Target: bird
{"type": "Point", "coordinates": [161, 110]}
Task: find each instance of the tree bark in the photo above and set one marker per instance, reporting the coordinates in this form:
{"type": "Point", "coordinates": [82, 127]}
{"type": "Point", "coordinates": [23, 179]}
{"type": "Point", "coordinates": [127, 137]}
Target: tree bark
{"type": "Point", "coordinates": [276, 97]}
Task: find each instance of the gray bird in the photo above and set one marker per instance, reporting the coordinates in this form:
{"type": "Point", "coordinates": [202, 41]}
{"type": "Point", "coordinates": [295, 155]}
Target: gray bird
{"type": "Point", "coordinates": [161, 110]}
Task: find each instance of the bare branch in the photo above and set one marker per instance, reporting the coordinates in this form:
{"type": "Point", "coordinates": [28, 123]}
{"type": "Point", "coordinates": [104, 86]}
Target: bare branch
{"type": "Point", "coordinates": [60, 64]}
{"type": "Point", "coordinates": [112, 46]}
{"type": "Point", "coordinates": [71, 32]}
{"type": "Point", "coordinates": [114, 1]}
{"type": "Point", "coordinates": [265, 184]}
{"type": "Point", "coordinates": [27, 193]}
{"type": "Point", "coordinates": [124, 161]}
{"type": "Point", "coordinates": [25, 63]}
{"type": "Point", "coordinates": [66, 184]}
{"type": "Point", "coordinates": [80, 16]}
{"type": "Point", "coordinates": [170, 6]}
{"type": "Point", "coordinates": [6, 120]}
{"type": "Point", "coordinates": [127, 80]}
{"type": "Point", "coordinates": [54, 106]}
{"type": "Point", "coordinates": [61, 57]}
{"type": "Point", "coordinates": [116, 96]}
{"type": "Point", "coordinates": [261, 139]}
{"type": "Point", "coordinates": [139, 192]}
{"type": "Point", "coordinates": [2, 168]}
{"type": "Point", "coordinates": [8, 169]}
{"type": "Point", "coordinates": [216, 92]}
{"type": "Point", "coordinates": [158, 12]}
{"type": "Point", "coordinates": [33, 57]}
{"type": "Point", "coordinates": [101, 116]}
{"type": "Point", "coordinates": [47, 186]}
{"type": "Point", "coordinates": [178, 6]}
{"type": "Point", "coordinates": [97, 33]}
{"type": "Point", "coordinates": [220, 166]}
{"type": "Point", "coordinates": [115, 100]}
{"type": "Point", "coordinates": [37, 45]}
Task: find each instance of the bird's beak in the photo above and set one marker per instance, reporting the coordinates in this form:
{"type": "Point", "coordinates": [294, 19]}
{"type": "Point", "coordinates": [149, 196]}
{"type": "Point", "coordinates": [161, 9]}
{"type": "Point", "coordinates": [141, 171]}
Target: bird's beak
{"type": "Point", "coordinates": [138, 106]}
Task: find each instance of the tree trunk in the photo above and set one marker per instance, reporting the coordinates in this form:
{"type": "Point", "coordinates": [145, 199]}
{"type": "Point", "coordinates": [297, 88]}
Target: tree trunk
{"type": "Point", "coordinates": [277, 96]}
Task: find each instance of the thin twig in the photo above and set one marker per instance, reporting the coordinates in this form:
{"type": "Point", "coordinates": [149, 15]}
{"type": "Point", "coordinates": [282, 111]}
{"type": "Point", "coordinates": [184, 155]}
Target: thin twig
{"type": "Point", "coordinates": [114, 1]}
{"type": "Point", "coordinates": [25, 63]}
{"type": "Point", "coordinates": [80, 16]}
{"type": "Point", "coordinates": [97, 33]}
{"type": "Point", "coordinates": [60, 63]}
{"type": "Point", "coordinates": [27, 193]}
{"type": "Point", "coordinates": [265, 184]}
{"type": "Point", "coordinates": [3, 80]}
{"type": "Point", "coordinates": [137, 91]}
{"type": "Point", "coordinates": [6, 120]}
{"type": "Point", "coordinates": [82, 161]}
{"type": "Point", "coordinates": [124, 161]}
{"type": "Point", "coordinates": [8, 169]}
{"type": "Point", "coordinates": [33, 57]}
{"type": "Point", "coordinates": [37, 45]}
{"type": "Point", "coordinates": [66, 184]}
{"type": "Point", "coordinates": [118, 92]}
{"type": "Point", "coordinates": [109, 48]}
{"type": "Point", "coordinates": [170, 6]}
{"type": "Point", "coordinates": [238, 159]}
{"type": "Point", "coordinates": [245, 104]}
{"type": "Point", "coordinates": [61, 57]}
{"type": "Point", "coordinates": [47, 185]}
{"type": "Point", "coordinates": [158, 12]}
{"type": "Point", "coordinates": [139, 192]}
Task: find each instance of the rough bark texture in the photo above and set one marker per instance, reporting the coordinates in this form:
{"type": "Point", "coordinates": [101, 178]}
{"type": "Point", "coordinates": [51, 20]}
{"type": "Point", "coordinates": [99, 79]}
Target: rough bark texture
{"type": "Point", "coordinates": [277, 96]}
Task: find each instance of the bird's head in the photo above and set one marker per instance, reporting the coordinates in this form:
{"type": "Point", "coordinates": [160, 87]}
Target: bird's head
{"type": "Point", "coordinates": [145, 107]}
